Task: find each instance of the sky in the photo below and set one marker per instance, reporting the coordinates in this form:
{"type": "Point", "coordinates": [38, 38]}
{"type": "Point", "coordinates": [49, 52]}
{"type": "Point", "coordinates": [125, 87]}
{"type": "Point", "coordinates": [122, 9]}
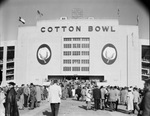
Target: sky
{"type": "Point", "coordinates": [11, 10]}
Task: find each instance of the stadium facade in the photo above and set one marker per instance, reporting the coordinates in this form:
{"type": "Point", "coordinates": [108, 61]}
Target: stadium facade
{"type": "Point", "coordinates": [95, 49]}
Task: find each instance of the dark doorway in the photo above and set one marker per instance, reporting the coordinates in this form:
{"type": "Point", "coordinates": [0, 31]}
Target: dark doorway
{"type": "Point", "coordinates": [75, 77]}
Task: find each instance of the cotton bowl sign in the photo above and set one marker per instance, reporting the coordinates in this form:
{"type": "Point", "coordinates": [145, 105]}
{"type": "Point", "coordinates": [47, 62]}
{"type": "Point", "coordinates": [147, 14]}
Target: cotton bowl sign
{"type": "Point", "coordinates": [109, 54]}
{"type": "Point", "coordinates": [44, 54]}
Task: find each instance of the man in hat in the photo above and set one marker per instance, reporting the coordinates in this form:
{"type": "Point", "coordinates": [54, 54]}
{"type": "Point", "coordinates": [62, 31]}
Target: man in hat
{"type": "Point", "coordinates": [2, 100]}
{"type": "Point", "coordinates": [145, 104]}
{"type": "Point", "coordinates": [11, 108]}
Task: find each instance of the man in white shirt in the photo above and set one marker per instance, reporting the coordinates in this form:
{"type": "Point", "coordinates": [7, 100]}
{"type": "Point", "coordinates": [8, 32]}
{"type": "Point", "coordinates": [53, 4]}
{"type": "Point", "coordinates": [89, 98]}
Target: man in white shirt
{"type": "Point", "coordinates": [55, 97]}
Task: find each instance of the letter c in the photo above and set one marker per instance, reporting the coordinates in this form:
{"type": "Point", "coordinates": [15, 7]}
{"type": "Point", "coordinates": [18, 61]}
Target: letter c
{"type": "Point", "coordinates": [42, 29]}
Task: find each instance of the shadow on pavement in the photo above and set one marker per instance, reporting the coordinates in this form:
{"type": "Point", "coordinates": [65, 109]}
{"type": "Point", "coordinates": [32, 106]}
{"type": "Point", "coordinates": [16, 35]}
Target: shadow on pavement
{"type": "Point", "coordinates": [122, 111]}
{"type": "Point", "coordinates": [74, 99]}
{"type": "Point", "coordinates": [118, 110]}
{"type": "Point", "coordinates": [47, 113]}
{"type": "Point", "coordinates": [83, 107]}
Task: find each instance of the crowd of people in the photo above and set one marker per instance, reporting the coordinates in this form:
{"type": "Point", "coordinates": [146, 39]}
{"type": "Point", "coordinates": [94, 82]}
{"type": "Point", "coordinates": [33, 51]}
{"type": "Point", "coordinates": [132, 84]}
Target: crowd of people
{"type": "Point", "coordinates": [14, 98]}
{"type": "Point", "coordinates": [17, 98]}
{"type": "Point", "coordinates": [103, 96]}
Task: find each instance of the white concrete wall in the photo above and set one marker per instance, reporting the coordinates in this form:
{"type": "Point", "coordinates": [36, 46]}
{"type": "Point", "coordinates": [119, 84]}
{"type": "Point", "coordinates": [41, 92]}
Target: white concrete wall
{"type": "Point", "coordinates": [25, 35]}
{"type": "Point", "coordinates": [30, 38]}
{"type": "Point", "coordinates": [134, 56]}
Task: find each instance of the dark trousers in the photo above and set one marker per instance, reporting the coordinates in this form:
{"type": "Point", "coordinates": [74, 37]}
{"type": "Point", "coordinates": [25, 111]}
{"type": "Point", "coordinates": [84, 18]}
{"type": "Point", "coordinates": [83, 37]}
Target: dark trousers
{"type": "Point", "coordinates": [25, 100]}
{"type": "Point", "coordinates": [96, 104]}
{"type": "Point", "coordinates": [117, 102]}
{"type": "Point", "coordinates": [32, 103]}
{"type": "Point", "coordinates": [136, 107]}
{"type": "Point", "coordinates": [78, 97]}
{"type": "Point", "coordinates": [112, 105]}
{"type": "Point", "coordinates": [55, 108]}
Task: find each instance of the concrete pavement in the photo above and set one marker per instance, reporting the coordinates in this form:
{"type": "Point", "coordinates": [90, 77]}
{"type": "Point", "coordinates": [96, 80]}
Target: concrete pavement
{"type": "Point", "coordinates": [71, 107]}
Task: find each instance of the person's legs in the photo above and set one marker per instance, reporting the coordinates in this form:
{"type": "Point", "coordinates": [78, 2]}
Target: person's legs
{"type": "Point", "coordinates": [38, 104]}
{"type": "Point", "coordinates": [103, 104]}
{"type": "Point", "coordinates": [136, 107]}
{"type": "Point", "coordinates": [116, 108]}
{"type": "Point", "coordinates": [111, 105]}
{"type": "Point", "coordinates": [114, 105]}
{"type": "Point", "coordinates": [25, 100]}
{"type": "Point", "coordinates": [56, 108]}
{"type": "Point", "coordinates": [78, 97]}
{"type": "Point", "coordinates": [52, 109]}
{"type": "Point", "coordinates": [88, 105]}
{"type": "Point", "coordinates": [22, 101]}
{"type": "Point", "coordinates": [98, 103]}
{"type": "Point", "coordinates": [95, 103]}
{"type": "Point", "coordinates": [32, 104]}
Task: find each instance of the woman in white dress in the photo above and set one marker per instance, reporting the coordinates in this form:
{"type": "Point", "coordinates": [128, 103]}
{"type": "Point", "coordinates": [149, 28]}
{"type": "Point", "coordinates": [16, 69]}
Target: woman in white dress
{"type": "Point", "coordinates": [88, 98]}
{"type": "Point", "coordinates": [2, 100]}
{"type": "Point", "coordinates": [130, 100]}
{"type": "Point", "coordinates": [73, 92]}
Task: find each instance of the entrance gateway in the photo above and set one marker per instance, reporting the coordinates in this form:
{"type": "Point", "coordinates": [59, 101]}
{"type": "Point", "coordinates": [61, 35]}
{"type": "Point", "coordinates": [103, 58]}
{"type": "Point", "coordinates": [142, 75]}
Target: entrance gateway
{"type": "Point", "coordinates": [99, 78]}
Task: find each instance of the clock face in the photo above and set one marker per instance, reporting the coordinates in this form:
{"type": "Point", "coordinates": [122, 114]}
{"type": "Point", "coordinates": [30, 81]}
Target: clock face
{"type": "Point", "coordinates": [44, 54]}
{"type": "Point", "coordinates": [109, 54]}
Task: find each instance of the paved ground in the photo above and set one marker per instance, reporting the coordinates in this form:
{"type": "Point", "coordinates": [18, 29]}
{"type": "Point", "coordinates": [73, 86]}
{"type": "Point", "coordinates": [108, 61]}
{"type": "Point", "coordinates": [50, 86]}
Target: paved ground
{"type": "Point", "coordinates": [71, 107]}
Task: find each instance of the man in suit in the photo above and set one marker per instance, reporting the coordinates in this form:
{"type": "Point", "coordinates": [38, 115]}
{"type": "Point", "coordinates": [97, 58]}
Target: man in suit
{"type": "Point", "coordinates": [96, 96]}
{"type": "Point", "coordinates": [145, 104]}
{"type": "Point", "coordinates": [78, 93]}
{"type": "Point", "coordinates": [32, 96]}
{"type": "Point", "coordinates": [55, 97]}
{"type": "Point", "coordinates": [11, 108]}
